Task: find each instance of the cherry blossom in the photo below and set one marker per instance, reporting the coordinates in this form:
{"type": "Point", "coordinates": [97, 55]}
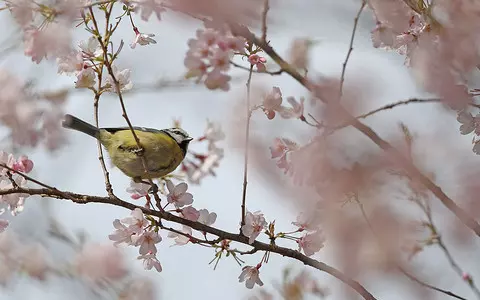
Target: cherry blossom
{"type": "Point", "coordinates": [22, 11]}
{"type": "Point", "coordinates": [190, 213]}
{"type": "Point", "coordinates": [251, 276]}
{"type": "Point", "coordinates": [209, 57]}
{"type": "Point", "coordinates": [99, 262]}
{"type": "Point", "coordinates": [150, 261]}
{"type": "Point", "coordinates": [136, 221]}
{"type": "Point", "coordinates": [258, 62]}
{"type": "Point", "coordinates": [177, 194]}
{"type": "Point", "coordinates": [142, 39]}
{"type": "Point", "coordinates": [298, 54]}
{"type": "Point", "coordinates": [23, 164]}
{"type": "Point", "coordinates": [121, 234]}
{"type": "Point", "coordinates": [309, 222]}
{"type": "Point", "coordinates": [254, 224]}
{"type": "Point", "coordinates": [147, 7]}
{"type": "Point", "coordinates": [181, 239]}
{"type": "Point", "coordinates": [296, 111]}
{"type": "Point", "coordinates": [138, 189]}
{"type": "Point", "coordinates": [85, 78]}
{"type": "Point", "coordinates": [147, 241]}
{"type": "Point", "coordinates": [207, 218]}
{"type": "Point", "coordinates": [34, 261]}
{"type": "Point", "coordinates": [311, 243]}
{"type": "Point", "coordinates": [272, 102]}
{"type": "Point", "coordinates": [52, 41]}
{"type": "Point", "coordinates": [123, 78]}
{"type": "Point", "coordinates": [469, 122]}
{"type": "Point", "coordinates": [70, 63]}
{"type": "Point", "coordinates": [90, 48]}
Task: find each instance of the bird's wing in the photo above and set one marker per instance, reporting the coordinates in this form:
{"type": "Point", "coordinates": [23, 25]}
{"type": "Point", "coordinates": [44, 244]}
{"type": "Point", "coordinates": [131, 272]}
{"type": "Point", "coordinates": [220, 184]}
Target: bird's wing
{"type": "Point", "coordinates": [116, 129]}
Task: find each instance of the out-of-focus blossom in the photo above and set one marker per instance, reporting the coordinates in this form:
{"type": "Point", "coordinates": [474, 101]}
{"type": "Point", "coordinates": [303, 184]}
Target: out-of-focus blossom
{"type": "Point", "coordinates": [142, 39]}
{"type": "Point", "coordinates": [90, 48]}
{"type": "Point", "coordinates": [23, 164]}
{"type": "Point", "coordinates": [22, 11]}
{"type": "Point", "coordinates": [3, 225]}
{"type": "Point", "coordinates": [251, 276]}
{"type": "Point", "coordinates": [272, 102]}
{"type": "Point", "coordinates": [70, 63]}
{"type": "Point", "coordinates": [296, 111]}
{"type": "Point", "coordinates": [34, 261]}
{"type": "Point", "coordinates": [298, 55]}
{"type": "Point", "coordinates": [254, 224]}
{"type": "Point", "coordinates": [148, 7]}
{"type": "Point", "coordinates": [209, 57]}
{"type": "Point", "coordinates": [181, 239]}
{"type": "Point", "coordinates": [99, 262]}
{"type": "Point", "coordinates": [52, 41]}
{"type": "Point", "coordinates": [213, 133]}
{"type": "Point", "coordinates": [138, 289]}
{"type": "Point", "coordinates": [308, 222]}
{"type": "Point", "coordinates": [311, 243]}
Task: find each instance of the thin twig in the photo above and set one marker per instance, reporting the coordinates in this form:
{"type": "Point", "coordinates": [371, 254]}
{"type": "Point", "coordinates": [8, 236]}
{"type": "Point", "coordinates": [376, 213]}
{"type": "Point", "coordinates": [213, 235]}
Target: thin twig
{"type": "Point", "coordinates": [266, 7]}
{"type": "Point", "coordinates": [222, 235]}
{"type": "Point", "coordinates": [255, 71]}
{"type": "Point", "coordinates": [350, 49]}
{"type": "Point", "coordinates": [247, 142]}
{"type": "Point", "coordinates": [408, 275]}
{"type": "Point", "coordinates": [411, 169]}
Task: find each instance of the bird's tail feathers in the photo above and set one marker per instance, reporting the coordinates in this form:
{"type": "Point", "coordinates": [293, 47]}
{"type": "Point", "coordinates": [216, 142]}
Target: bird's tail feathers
{"type": "Point", "coordinates": [75, 123]}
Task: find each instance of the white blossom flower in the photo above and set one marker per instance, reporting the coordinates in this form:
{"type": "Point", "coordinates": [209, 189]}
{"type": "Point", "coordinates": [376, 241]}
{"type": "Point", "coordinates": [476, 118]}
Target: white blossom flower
{"type": "Point", "coordinates": [178, 194]}
{"type": "Point", "coordinates": [121, 234]}
{"type": "Point", "coordinates": [254, 224]}
{"type": "Point", "coordinates": [85, 78]}
{"type": "Point", "coordinates": [251, 276]}
{"type": "Point", "coordinates": [181, 239]}
{"type": "Point", "coordinates": [206, 217]}
{"type": "Point", "coordinates": [136, 221]}
{"type": "Point", "coordinates": [190, 213]}
{"type": "Point", "coordinates": [123, 78]}
{"type": "Point", "coordinates": [150, 261]}
{"type": "Point", "coordinates": [142, 39]}
{"type": "Point", "coordinates": [147, 241]}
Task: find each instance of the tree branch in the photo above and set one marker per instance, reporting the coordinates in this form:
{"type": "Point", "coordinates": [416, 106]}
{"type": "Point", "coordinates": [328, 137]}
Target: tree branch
{"type": "Point", "coordinates": [222, 235]}
{"type": "Point", "coordinates": [407, 166]}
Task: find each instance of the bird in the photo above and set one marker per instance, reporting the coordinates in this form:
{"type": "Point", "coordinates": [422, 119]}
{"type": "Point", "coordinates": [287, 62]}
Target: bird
{"type": "Point", "coordinates": [163, 150]}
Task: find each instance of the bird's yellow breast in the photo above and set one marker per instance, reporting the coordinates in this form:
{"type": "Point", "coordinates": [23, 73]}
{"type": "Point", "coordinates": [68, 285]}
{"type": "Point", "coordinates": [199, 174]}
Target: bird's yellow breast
{"type": "Point", "coordinates": [162, 153]}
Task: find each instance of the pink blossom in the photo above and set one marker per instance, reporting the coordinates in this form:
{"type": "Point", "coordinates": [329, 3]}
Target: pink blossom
{"type": "Point", "coordinates": [22, 11]}
{"type": "Point", "coordinates": [23, 164]}
{"type": "Point", "coordinates": [177, 194]}
{"type": "Point", "coordinates": [121, 234]}
{"type": "Point", "coordinates": [139, 289]}
{"type": "Point", "coordinates": [147, 241]}
{"type": "Point", "coordinates": [34, 261]}
{"type": "Point", "coordinates": [15, 201]}
{"type": "Point", "coordinates": [136, 221]}
{"type": "Point", "coordinates": [54, 41]}
{"type": "Point", "coordinates": [138, 190]}
{"type": "Point", "coordinates": [207, 218]}
{"type": "Point", "coordinates": [309, 222]}
{"type": "Point", "coordinates": [254, 224]}
{"type": "Point", "coordinates": [311, 243]}
{"type": "Point", "coordinates": [150, 261]}
{"type": "Point", "coordinates": [251, 276]}
{"type": "Point", "coordinates": [147, 7]}
{"type": "Point", "coordinates": [296, 111]}
{"type": "Point", "coordinates": [217, 80]}
{"type": "Point", "coordinates": [298, 55]}
{"type": "Point", "coordinates": [258, 62]}
{"type": "Point", "coordinates": [213, 133]}
{"type": "Point", "coordinates": [190, 213]}
{"type": "Point", "coordinates": [273, 101]}
{"type": "Point", "coordinates": [180, 239]}
{"type": "Point", "coordinates": [98, 262]}
{"type": "Point", "coordinates": [220, 60]}
{"type": "Point", "coordinates": [142, 39]}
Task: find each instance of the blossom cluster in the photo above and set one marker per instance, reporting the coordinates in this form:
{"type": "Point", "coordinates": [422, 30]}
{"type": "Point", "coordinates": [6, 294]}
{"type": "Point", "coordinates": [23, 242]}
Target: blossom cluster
{"type": "Point", "coordinates": [82, 63]}
{"type": "Point", "coordinates": [32, 117]}
{"type": "Point", "coordinates": [137, 231]}
{"type": "Point", "coordinates": [9, 180]}
{"type": "Point", "coordinates": [209, 55]}
{"type": "Point", "coordinates": [470, 124]}
{"type": "Point", "coordinates": [439, 41]}
{"type": "Point", "coordinates": [272, 104]}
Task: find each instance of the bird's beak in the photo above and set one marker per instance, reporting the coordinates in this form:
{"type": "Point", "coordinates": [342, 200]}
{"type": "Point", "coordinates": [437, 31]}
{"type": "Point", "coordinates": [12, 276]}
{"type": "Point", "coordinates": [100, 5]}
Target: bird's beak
{"type": "Point", "coordinates": [189, 139]}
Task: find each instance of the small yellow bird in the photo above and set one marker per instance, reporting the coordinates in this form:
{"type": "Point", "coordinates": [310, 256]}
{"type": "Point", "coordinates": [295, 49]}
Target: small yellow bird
{"type": "Point", "coordinates": [164, 149]}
